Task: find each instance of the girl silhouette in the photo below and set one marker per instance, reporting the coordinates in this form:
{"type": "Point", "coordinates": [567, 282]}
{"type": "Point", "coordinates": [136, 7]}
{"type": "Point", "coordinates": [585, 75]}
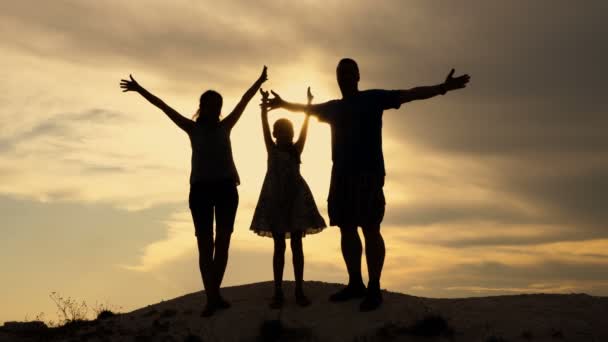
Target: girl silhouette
{"type": "Point", "coordinates": [286, 207]}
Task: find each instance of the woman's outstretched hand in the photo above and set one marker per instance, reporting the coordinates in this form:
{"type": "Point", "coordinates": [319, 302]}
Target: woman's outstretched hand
{"type": "Point", "coordinates": [452, 83]}
{"type": "Point", "coordinates": [264, 76]}
{"type": "Point", "coordinates": [129, 85]}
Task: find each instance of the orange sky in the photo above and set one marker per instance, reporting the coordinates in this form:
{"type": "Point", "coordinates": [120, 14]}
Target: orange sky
{"type": "Point", "coordinates": [500, 188]}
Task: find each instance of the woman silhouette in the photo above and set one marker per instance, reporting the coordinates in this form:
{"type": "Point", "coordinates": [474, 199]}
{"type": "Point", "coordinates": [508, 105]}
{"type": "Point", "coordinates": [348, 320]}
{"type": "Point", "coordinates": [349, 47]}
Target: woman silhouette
{"type": "Point", "coordinates": [213, 180]}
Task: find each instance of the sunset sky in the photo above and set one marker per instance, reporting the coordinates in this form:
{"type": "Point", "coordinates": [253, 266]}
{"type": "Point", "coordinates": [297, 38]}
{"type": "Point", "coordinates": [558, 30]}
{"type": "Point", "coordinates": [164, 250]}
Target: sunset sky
{"type": "Point", "coordinates": [499, 188]}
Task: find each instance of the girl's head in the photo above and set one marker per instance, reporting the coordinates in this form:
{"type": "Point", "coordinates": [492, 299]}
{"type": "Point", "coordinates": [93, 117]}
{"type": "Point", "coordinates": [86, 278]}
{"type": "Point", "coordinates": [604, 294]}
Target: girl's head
{"type": "Point", "coordinates": [282, 130]}
{"type": "Point", "coordinates": [210, 107]}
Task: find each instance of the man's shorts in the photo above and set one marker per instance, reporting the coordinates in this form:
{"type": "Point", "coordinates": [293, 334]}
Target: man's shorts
{"type": "Point", "coordinates": [356, 199]}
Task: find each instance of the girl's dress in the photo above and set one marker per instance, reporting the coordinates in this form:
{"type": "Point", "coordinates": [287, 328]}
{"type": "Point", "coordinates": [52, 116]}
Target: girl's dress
{"type": "Point", "coordinates": [286, 204]}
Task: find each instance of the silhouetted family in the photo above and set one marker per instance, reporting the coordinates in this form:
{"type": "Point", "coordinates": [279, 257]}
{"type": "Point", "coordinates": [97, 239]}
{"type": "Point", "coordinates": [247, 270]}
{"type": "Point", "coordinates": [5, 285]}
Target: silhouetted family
{"type": "Point", "coordinates": [286, 208]}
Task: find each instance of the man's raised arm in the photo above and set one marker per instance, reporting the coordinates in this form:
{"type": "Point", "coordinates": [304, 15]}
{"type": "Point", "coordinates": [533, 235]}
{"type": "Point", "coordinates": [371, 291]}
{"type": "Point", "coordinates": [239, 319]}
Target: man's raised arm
{"type": "Point", "coordinates": [422, 93]}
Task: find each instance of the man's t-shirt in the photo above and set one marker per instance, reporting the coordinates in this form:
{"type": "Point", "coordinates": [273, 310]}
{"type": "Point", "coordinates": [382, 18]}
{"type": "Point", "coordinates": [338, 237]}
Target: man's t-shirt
{"type": "Point", "coordinates": [356, 129]}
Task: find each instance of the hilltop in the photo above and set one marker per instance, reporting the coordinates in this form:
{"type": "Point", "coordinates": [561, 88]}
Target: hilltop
{"type": "Point", "coordinates": [526, 317]}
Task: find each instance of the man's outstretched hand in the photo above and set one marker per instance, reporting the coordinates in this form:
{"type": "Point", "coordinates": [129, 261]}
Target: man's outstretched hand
{"type": "Point", "coordinates": [129, 85]}
{"type": "Point", "coordinates": [276, 101]}
{"type": "Point", "coordinates": [452, 83]}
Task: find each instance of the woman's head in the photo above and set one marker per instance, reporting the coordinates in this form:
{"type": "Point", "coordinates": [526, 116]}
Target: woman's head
{"type": "Point", "coordinates": [282, 130]}
{"type": "Point", "coordinates": [210, 107]}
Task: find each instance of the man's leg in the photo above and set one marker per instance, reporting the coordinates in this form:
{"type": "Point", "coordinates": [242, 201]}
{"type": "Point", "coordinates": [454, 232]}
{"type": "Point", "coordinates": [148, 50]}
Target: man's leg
{"type": "Point", "coordinates": [374, 253]}
{"type": "Point", "coordinates": [351, 252]}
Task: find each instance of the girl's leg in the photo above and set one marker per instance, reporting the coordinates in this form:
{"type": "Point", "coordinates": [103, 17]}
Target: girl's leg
{"type": "Point", "coordinates": [298, 259]}
{"type": "Point", "coordinates": [298, 267]}
{"type": "Point", "coordinates": [278, 263]}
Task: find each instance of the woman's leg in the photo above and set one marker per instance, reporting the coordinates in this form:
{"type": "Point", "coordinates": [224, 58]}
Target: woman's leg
{"type": "Point", "coordinates": [220, 259]}
{"type": "Point", "coordinates": [226, 204]}
{"type": "Point", "coordinates": [278, 263]}
{"type": "Point", "coordinates": [298, 267]}
{"type": "Point", "coordinates": [205, 262]}
{"type": "Point", "coordinates": [202, 215]}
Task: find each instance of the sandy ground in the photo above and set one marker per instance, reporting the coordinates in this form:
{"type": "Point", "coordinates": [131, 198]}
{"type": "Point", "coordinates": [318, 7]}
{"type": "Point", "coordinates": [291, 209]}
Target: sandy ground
{"type": "Point", "coordinates": [537, 317]}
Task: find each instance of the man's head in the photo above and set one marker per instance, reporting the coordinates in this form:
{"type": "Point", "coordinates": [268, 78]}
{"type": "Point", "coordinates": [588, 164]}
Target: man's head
{"type": "Point", "coordinates": [347, 74]}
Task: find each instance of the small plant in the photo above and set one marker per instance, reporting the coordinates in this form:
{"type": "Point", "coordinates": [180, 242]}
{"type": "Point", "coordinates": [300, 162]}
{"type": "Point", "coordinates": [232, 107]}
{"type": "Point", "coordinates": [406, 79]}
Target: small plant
{"type": "Point", "coordinates": [69, 310]}
{"type": "Point", "coordinates": [105, 314]}
{"type": "Point", "coordinates": [104, 310]}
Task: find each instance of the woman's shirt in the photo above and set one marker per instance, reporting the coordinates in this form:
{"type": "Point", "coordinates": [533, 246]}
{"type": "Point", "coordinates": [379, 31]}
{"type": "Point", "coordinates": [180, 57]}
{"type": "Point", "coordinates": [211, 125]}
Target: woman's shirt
{"type": "Point", "coordinates": [212, 154]}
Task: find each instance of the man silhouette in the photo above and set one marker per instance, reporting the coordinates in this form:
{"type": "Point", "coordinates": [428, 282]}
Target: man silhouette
{"type": "Point", "coordinates": [356, 197]}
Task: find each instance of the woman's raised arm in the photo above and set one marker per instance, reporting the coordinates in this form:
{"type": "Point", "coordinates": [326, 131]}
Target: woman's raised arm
{"type": "Point", "coordinates": [236, 113]}
{"type": "Point", "coordinates": [181, 121]}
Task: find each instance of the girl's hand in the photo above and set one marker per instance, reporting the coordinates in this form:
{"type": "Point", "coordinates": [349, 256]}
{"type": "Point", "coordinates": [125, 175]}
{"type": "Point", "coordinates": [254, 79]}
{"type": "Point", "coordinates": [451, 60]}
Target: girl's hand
{"type": "Point", "coordinates": [264, 94]}
{"type": "Point", "coordinates": [264, 103]}
{"type": "Point", "coordinates": [131, 85]}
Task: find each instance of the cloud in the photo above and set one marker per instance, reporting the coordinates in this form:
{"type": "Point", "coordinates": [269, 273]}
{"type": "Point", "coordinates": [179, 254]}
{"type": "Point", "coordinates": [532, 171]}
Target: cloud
{"type": "Point", "coordinates": [573, 197]}
{"type": "Point", "coordinates": [179, 241]}
{"type": "Point", "coordinates": [421, 213]}
{"type": "Point", "coordinates": [61, 126]}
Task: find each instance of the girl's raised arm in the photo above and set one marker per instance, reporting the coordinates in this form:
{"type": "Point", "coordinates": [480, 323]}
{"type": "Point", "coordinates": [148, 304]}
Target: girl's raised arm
{"type": "Point", "coordinates": [304, 130]}
{"type": "Point", "coordinates": [181, 121]}
{"type": "Point", "coordinates": [236, 113]}
{"type": "Point", "coordinates": [265, 126]}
